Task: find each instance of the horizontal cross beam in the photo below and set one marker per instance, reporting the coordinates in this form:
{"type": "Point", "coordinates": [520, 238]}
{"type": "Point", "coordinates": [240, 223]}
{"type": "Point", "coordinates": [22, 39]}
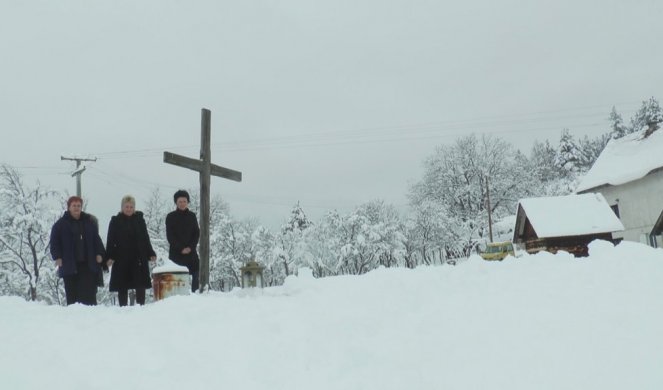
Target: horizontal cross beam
{"type": "Point", "coordinates": [197, 165]}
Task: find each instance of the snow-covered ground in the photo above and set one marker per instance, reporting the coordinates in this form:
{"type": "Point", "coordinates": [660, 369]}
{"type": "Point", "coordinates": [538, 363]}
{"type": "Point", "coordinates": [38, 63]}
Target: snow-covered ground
{"type": "Point", "coordinates": [536, 322]}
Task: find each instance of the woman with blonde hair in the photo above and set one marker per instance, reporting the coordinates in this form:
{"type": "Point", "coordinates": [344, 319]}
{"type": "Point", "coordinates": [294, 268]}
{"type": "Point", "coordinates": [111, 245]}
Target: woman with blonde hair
{"type": "Point", "coordinates": [128, 251]}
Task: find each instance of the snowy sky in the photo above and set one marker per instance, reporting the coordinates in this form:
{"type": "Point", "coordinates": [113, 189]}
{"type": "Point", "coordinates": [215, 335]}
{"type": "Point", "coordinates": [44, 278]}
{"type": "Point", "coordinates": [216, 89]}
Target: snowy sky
{"type": "Point", "coordinates": [538, 322]}
{"type": "Point", "coordinates": [327, 103]}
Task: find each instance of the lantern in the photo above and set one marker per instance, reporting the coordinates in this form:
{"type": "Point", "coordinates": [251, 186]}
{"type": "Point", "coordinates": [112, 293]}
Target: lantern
{"type": "Point", "coordinates": [252, 275]}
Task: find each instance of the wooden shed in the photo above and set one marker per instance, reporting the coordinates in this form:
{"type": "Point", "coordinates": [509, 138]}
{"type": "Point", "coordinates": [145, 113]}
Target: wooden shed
{"type": "Point", "coordinates": [567, 223]}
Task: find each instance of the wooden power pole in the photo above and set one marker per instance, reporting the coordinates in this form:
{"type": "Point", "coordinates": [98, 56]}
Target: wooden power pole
{"type": "Point", "coordinates": [78, 172]}
{"type": "Point", "coordinates": [205, 169]}
{"type": "Point", "coordinates": [490, 214]}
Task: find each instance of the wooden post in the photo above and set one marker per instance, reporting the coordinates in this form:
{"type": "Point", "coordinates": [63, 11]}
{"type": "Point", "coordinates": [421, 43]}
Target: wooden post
{"type": "Point", "coordinates": [205, 152]}
{"type": "Point", "coordinates": [79, 190]}
{"type": "Point", "coordinates": [490, 216]}
{"type": "Point", "coordinates": [78, 172]}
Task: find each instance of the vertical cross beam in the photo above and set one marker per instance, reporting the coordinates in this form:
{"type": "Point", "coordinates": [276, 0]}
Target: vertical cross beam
{"type": "Point", "coordinates": [205, 158]}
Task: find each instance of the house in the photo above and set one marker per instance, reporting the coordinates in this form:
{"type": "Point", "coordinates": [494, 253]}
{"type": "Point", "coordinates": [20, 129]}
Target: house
{"type": "Point", "coordinates": [629, 174]}
{"type": "Point", "coordinates": [566, 223]}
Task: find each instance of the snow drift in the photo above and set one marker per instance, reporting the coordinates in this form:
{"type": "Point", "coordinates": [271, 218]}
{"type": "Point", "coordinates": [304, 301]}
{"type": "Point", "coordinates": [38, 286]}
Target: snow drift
{"type": "Point", "coordinates": [537, 322]}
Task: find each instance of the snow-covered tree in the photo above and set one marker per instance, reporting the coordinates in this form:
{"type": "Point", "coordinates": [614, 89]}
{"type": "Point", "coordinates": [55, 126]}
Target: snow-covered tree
{"type": "Point", "coordinates": [427, 234]}
{"type": "Point", "coordinates": [455, 178]}
{"type": "Point", "coordinates": [369, 237]}
{"type": "Point", "coordinates": [550, 178]}
{"type": "Point", "coordinates": [649, 112]}
{"type": "Point", "coordinates": [290, 247]}
{"type": "Point", "coordinates": [388, 224]}
{"type": "Point", "coordinates": [617, 127]}
{"type": "Point", "coordinates": [155, 210]}
{"type": "Point", "coordinates": [544, 162]}
{"type": "Point", "coordinates": [298, 220]}
{"type": "Point", "coordinates": [230, 246]}
{"type": "Point", "coordinates": [263, 243]}
{"type": "Point", "coordinates": [26, 217]}
{"type": "Point", "coordinates": [569, 155]}
{"type": "Point", "coordinates": [323, 246]}
{"type": "Point", "coordinates": [358, 255]}
{"type": "Point", "coordinates": [577, 156]}
{"type": "Point", "coordinates": [590, 149]}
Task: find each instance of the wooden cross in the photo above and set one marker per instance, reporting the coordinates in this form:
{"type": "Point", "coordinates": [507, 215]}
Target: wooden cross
{"type": "Point", "coordinates": [206, 169]}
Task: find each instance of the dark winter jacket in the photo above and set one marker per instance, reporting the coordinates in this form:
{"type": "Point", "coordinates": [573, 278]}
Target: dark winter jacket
{"type": "Point", "coordinates": [128, 244]}
{"type": "Point", "coordinates": [182, 231]}
{"type": "Point", "coordinates": [63, 243]}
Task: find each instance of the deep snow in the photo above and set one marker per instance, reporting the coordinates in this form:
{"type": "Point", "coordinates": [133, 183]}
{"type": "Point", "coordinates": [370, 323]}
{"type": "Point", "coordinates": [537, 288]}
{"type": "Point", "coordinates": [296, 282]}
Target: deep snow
{"type": "Point", "coordinates": [537, 322]}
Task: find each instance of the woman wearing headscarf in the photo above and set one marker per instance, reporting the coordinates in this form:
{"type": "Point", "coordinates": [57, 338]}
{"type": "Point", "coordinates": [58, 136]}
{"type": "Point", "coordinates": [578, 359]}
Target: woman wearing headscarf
{"type": "Point", "coordinates": [129, 249]}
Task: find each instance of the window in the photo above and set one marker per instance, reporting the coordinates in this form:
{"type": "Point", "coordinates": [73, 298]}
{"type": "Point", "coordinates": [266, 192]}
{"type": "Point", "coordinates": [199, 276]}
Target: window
{"type": "Point", "coordinates": [615, 209]}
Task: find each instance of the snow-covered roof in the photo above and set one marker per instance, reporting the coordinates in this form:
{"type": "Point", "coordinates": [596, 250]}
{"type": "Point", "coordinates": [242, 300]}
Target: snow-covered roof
{"type": "Point", "coordinates": [625, 159]}
{"type": "Point", "coordinates": [570, 215]}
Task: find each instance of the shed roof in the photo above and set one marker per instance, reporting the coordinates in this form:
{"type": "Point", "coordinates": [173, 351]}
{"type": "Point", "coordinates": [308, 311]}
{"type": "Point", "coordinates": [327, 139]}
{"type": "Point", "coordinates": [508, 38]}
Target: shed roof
{"type": "Point", "coordinates": [571, 215]}
{"type": "Point", "coordinates": [625, 159]}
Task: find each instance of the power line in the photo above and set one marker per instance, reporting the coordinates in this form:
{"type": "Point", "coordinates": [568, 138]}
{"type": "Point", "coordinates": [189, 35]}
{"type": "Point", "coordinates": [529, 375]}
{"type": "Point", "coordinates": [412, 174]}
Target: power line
{"type": "Point", "coordinates": [112, 178]}
{"type": "Point", "coordinates": [37, 167]}
{"type": "Point", "coordinates": [490, 124]}
{"type": "Point", "coordinates": [284, 143]}
{"type": "Point", "coordinates": [359, 140]}
{"type": "Point", "coordinates": [129, 180]}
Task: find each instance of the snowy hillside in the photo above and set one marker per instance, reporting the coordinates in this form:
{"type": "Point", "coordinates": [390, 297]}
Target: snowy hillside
{"type": "Point", "coordinates": [537, 322]}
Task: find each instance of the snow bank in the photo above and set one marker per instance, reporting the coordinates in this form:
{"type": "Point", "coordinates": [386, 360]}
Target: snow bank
{"type": "Point", "coordinates": [536, 322]}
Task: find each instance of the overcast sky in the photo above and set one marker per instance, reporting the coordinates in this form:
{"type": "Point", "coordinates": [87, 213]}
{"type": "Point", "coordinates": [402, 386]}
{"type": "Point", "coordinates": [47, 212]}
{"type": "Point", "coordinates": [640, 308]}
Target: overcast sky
{"type": "Point", "coordinates": [327, 103]}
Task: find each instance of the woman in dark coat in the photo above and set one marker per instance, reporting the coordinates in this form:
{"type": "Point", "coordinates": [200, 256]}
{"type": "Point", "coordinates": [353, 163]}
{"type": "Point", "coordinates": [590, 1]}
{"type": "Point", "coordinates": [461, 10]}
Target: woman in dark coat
{"type": "Point", "coordinates": [77, 249]}
{"type": "Point", "coordinates": [128, 251]}
{"type": "Point", "coordinates": [183, 233]}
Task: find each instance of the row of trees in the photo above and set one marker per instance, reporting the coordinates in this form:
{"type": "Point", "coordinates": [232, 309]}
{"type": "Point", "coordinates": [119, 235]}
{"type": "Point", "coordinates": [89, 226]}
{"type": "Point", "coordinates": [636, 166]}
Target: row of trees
{"type": "Point", "coordinates": [447, 218]}
{"type": "Point", "coordinates": [649, 112]}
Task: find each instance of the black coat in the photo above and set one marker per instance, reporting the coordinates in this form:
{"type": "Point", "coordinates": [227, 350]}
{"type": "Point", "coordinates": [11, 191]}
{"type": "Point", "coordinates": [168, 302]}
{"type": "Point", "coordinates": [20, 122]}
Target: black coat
{"type": "Point", "coordinates": [129, 246]}
{"type": "Point", "coordinates": [182, 231]}
{"type": "Point", "coordinates": [62, 243]}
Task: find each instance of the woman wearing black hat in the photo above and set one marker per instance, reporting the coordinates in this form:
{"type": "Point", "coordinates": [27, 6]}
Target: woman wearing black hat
{"type": "Point", "coordinates": [183, 233]}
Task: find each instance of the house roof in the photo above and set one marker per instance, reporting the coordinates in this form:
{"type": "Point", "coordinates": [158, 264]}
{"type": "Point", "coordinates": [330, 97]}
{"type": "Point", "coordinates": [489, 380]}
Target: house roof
{"type": "Point", "coordinates": [625, 159]}
{"type": "Point", "coordinates": [571, 215]}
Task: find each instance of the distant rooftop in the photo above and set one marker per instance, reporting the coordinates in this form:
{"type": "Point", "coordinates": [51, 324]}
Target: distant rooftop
{"type": "Point", "coordinates": [624, 160]}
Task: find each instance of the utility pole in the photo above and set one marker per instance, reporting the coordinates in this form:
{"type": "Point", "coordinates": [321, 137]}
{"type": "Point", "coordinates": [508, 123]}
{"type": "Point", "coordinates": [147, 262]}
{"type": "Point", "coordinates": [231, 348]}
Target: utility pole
{"type": "Point", "coordinates": [79, 171]}
{"type": "Point", "coordinates": [490, 216]}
